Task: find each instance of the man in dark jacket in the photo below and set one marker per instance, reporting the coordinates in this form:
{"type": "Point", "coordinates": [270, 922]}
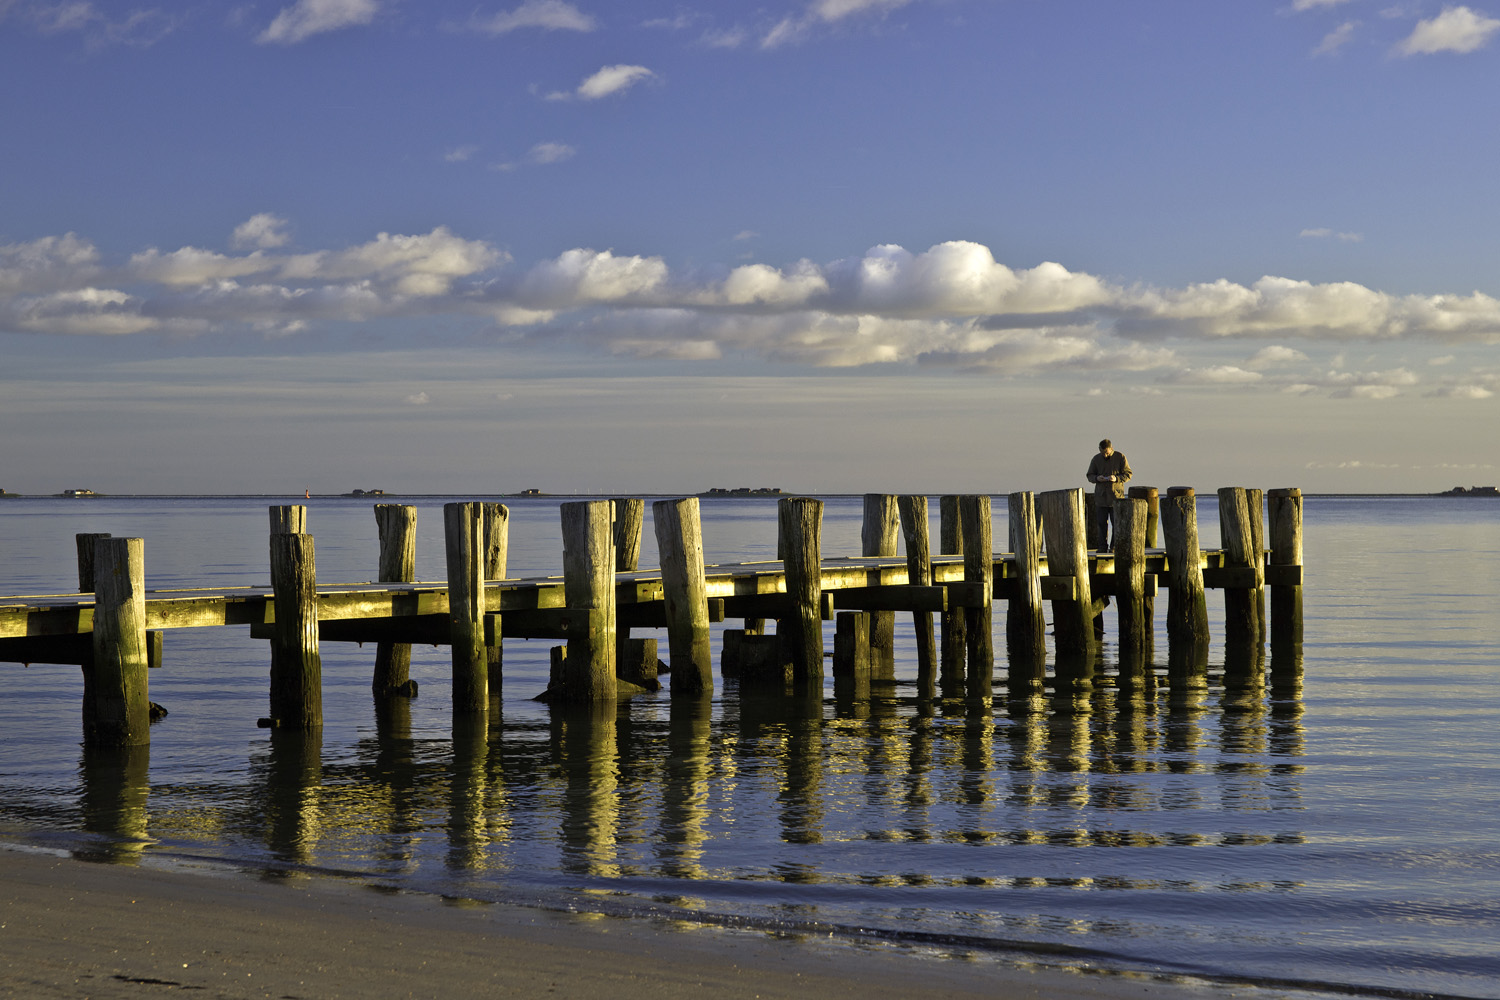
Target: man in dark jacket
{"type": "Point", "coordinates": [1109, 471]}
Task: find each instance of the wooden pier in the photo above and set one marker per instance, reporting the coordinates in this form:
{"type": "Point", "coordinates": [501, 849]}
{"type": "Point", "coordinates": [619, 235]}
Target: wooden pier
{"type": "Point", "coordinates": [114, 628]}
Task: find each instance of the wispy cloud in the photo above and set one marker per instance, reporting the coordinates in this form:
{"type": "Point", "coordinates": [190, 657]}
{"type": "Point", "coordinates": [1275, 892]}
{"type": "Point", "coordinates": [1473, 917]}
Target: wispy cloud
{"type": "Point", "coordinates": [1336, 39]}
{"type": "Point", "coordinates": [551, 152]}
{"type": "Point", "coordinates": [823, 12]}
{"type": "Point", "coordinates": [606, 81]}
{"type": "Point", "coordinates": [1305, 5]}
{"type": "Point", "coordinates": [307, 18]}
{"type": "Point", "coordinates": [1456, 29]}
{"type": "Point", "coordinates": [547, 15]}
{"type": "Point", "coordinates": [139, 27]}
{"type": "Point", "coordinates": [459, 154]}
{"type": "Point", "coordinates": [1324, 234]}
{"type": "Point", "coordinates": [951, 306]}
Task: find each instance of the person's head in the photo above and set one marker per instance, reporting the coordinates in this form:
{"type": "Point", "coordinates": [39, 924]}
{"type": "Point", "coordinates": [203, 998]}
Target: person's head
{"type": "Point", "coordinates": [1105, 448]}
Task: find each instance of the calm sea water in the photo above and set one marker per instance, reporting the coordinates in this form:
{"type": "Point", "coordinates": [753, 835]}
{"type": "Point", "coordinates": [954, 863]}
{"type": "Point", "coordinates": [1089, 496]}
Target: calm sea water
{"type": "Point", "coordinates": [1347, 837]}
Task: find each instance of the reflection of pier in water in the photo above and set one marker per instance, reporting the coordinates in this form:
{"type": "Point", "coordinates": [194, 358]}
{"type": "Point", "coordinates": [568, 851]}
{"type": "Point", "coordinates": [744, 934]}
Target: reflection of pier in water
{"type": "Point", "coordinates": [606, 796]}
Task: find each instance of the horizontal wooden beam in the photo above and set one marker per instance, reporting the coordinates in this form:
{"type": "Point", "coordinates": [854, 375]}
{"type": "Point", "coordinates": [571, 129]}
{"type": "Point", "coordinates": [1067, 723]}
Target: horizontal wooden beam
{"type": "Point", "coordinates": [75, 650]}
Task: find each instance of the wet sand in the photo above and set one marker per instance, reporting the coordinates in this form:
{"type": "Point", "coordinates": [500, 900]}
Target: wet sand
{"type": "Point", "coordinates": [71, 928]}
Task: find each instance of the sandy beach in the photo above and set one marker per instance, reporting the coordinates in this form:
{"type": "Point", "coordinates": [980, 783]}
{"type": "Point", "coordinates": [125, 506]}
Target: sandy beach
{"type": "Point", "coordinates": [71, 928]}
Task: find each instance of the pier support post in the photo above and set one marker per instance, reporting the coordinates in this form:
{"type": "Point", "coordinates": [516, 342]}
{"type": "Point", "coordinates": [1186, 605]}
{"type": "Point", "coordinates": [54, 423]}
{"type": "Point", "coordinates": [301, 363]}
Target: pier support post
{"type": "Point", "coordinates": [588, 673]}
{"type": "Point", "coordinates": [496, 557]}
{"type": "Point", "coordinates": [852, 655]}
{"type": "Point", "coordinates": [463, 534]}
{"type": "Point", "coordinates": [979, 567]}
{"type": "Point", "coordinates": [800, 530]}
{"type": "Point", "coordinates": [116, 709]}
{"type": "Point", "coordinates": [289, 519]}
{"type": "Point", "coordinates": [1286, 551]}
{"type": "Point", "coordinates": [1255, 500]}
{"type": "Point", "coordinates": [1025, 625]}
{"type": "Point", "coordinates": [630, 518]}
{"type": "Point", "coordinates": [296, 664]}
{"type": "Point", "coordinates": [954, 638]}
{"type": "Point", "coordinates": [397, 525]}
{"type": "Point", "coordinates": [679, 540]}
{"type": "Point", "coordinates": [86, 542]}
{"type": "Point", "coordinates": [913, 510]}
{"type": "Point", "coordinates": [1152, 497]}
{"type": "Point", "coordinates": [1187, 605]}
{"type": "Point", "coordinates": [1063, 524]}
{"type": "Point", "coordinates": [878, 534]}
{"type": "Point", "coordinates": [1131, 518]}
{"type": "Point", "coordinates": [1237, 536]}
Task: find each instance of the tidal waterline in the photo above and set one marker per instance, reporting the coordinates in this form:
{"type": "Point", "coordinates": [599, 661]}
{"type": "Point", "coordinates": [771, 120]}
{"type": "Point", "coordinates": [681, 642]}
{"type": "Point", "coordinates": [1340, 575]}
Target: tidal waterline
{"type": "Point", "coordinates": [1347, 837]}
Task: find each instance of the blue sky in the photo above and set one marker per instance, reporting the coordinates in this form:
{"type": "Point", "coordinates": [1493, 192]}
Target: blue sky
{"type": "Point", "coordinates": [827, 245]}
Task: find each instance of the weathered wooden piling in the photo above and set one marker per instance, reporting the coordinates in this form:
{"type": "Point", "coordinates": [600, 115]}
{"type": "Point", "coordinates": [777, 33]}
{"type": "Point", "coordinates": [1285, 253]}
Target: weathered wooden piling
{"type": "Point", "coordinates": [800, 532]}
{"type": "Point", "coordinates": [85, 542]}
{"type": "Point", "coordinates": [1148, 600]}
{"type": "Point", "coordinates": [288, 518]}
{"type": "Point", "coordinates": [979, 567]}
{"type": "Point", "coordinates": [116, 708]}
{"type": "Point", "coordinates": [878, 533]}
{"type": "Point", "coordinates": [852, 655]}
{"type": "Point", "coordinates": [1255, 500]}
{"type": "Point", "coordinates": [1073, 602]}
{"type": "Point", "coordinates": [954, 636]}
{"type": "Point", "coordinates": [1285, 572]}
{"type": "Point", "coordinates": [1131, 518]}
{"type": "Point", "coordinates": [588, 673]}
{"type": "Point", "coordinates": [1025, 624]}
{"type": "Point", "coordinates": [496, 559]}
{"type": "Point", "coordinates": [630, 518]}
{"type": "Point", "coordinates": [913, 511]}
{"type": "Point", "coordinates": [1187, 605]}
{"type": "Point", "coordinates": [679, 540]}
{"type": "Point", "coordinates": [397, 526]}
{"type": "Point", "coordinates": [296, 664]}
{"type": "Point", "coordinates": [1237, 538]}
{"type": "Point", "coordinates": [463, 535]}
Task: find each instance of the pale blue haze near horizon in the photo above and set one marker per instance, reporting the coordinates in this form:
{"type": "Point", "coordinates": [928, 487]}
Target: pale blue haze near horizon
{"type": "Point", "coordinates": [824, 245]}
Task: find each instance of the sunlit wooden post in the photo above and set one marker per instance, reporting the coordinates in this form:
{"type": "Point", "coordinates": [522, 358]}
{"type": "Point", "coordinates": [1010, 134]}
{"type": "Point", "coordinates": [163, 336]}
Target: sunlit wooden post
{"type": "Point", "coordinates": [296, 664]}
{"type": "Point", "coordinates": [800, 529]}
{"type": "Point", "coordinates": [463, 534]}
{"type": "Point", "coordinates": [116, 709]}
{"type": "Point", "coordinates": [679, 540]}
{"type": "Point", "coordinates": [1025, 624]}
{"type": "Point", "coordinates": [496, 559]}
{"type": "Point", "coordinates": [1072, 612]}
{"type": "Point", "coordinates": [397, 526]}
{"type": "Point", "coordinates": [588, 673]}
{"type": "Point", "coordinates": [1187, 605]}
{"type": "Point", "coordinates": [913, 510]}
{"type": "Point", "coordinates": [979, 567]}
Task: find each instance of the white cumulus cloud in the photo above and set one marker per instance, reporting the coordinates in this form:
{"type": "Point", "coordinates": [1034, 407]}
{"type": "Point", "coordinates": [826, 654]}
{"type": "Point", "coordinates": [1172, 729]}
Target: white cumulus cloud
{"type": "Point", "coordinates": [1455, 29]}
{"type": "Point", "coordinates": [612, 80]}
{"type": "Point", "coordinates": [262, 231]}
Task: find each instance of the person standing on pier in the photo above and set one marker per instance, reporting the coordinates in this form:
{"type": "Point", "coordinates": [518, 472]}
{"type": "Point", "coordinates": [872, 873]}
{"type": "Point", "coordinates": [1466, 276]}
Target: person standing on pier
{"type": "Point", "coordinates": [1109, 471]}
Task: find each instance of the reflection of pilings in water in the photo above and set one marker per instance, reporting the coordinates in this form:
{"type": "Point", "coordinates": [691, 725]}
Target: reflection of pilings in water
{"type": "Point", "coordinates": [1183, 736]}
{"type": "Point", "coordinates": [1286, 671]}
{"type": "Point", "coordinates": [116, 787]}
{"type": "Point", "coordinates": [1187, 667]}
{"type": "Point", "coordinates": [917, 793]}
{"type": "Point", "coordinates": [293, 785]}
{"type": "Point", "coordinates": [585, 741]}
{"type": "Point", "coordinates": [685, 788]}
{"type": "Point", "coordinates": [1244, 676]}
{"type": "Point", "coordinates": [395, 769]}
{"type": "Point", "coordinates": [802, 796]}
{"type": "Point", "coordinates": [468, 808]}
{"type": "Point", "coordinates": [978, 755]}
{"type": "Point", "coordinates": [1286, 742]}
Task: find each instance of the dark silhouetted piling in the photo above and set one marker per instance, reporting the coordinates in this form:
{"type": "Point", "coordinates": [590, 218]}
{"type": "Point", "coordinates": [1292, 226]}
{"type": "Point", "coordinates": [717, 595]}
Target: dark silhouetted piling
{"type": "Point", "coordinates": [1025, 624]}
{"type": "Point", "coordinates": [1237, 537]}
{"type": "Point", "coordinates": [1187, 606]}
{"type": "Point", "coordinates": [1285, 570]}
{"type": "Point", "coordinates": [1131, 518]}
{"type": "Point", "coordinates": [116, 709]}
{"type": "Point", "coordinates": [852, 655]}
{"type": "Point", "coordinates": [679, 540]}
{"type": "Point", "coordinates": [954, 638]}
{"type": "Point", "coordinates": [878, 534]}
{"type": "Point", "coordinates": [85, 542]}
